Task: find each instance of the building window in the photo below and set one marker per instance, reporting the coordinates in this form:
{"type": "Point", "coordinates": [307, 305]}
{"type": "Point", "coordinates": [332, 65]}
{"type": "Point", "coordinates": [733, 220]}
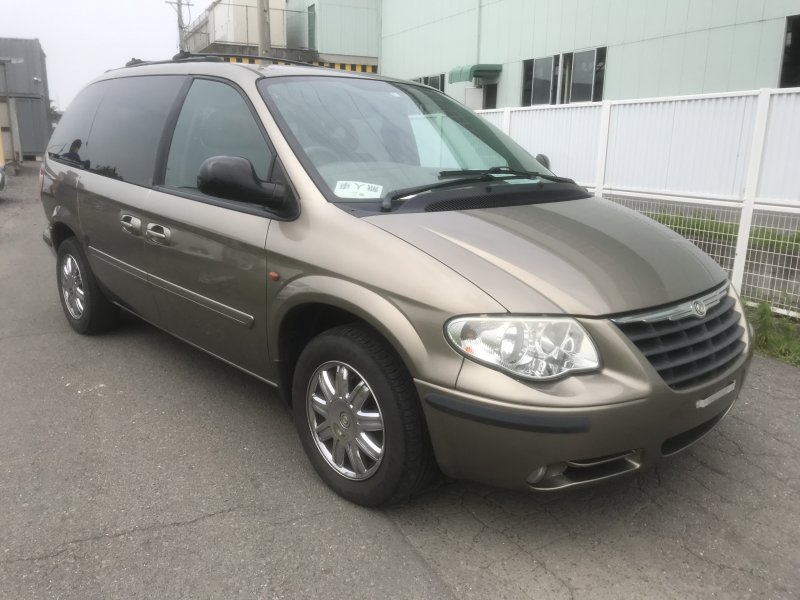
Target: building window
{"type": "Point", "coordinates": [790, 68]}
{"type": "Point", "coordinates": [435, 81]}
{"type": "Point", "coordinates": [527, 82]}
{"type": "Point", "coordinates": [563, 78]}
{"type": "Point", "coordinates": [490, 95]}
{"type": "Point", "coordinates": [582, 76]}
{"type": "Point", "coordinates": [542, 80]}
{"type": "Point", "coordinates": [538, 79]}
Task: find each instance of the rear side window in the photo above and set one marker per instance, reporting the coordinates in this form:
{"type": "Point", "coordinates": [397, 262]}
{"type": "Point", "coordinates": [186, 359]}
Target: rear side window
{"type": "Point", "coordinates": [68, 143]}
{"type": "Point", "coordinates": [214, 121]}
{"type": "Point", "coordinates": [127, 129]}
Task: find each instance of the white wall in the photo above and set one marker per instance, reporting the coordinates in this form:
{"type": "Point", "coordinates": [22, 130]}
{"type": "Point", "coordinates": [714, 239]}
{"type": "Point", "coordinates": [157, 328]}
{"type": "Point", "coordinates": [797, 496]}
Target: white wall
{"type": "Point", "coordinates": [344, 27]}
{"type": "Point", "coordinates": [655, 47]}
{"type": "Point", "coordinates": [420, 37]}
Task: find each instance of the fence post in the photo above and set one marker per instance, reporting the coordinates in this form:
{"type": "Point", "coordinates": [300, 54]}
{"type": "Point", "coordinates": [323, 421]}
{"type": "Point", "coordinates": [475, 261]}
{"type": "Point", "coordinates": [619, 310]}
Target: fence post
{"type": "Point", "coordinates": [505, 124]}
{"type": "Point", "coordinates": [751, 187]}
{"type": "Point", "coordinates": [602, 149]}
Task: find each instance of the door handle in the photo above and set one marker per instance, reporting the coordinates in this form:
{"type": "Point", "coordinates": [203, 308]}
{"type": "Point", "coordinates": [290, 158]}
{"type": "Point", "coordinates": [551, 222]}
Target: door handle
{"type": "Point", "coordinates": [157, 233]}
{"type": "Point", "coordinates": [131, 224]}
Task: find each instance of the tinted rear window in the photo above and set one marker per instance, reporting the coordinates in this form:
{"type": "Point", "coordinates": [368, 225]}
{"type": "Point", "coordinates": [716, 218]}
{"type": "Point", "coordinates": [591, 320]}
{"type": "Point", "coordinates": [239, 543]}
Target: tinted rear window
{"type": "Point", "coordinates": [123, 141]}
{"type": "Point", "coordinates": [68, 142]}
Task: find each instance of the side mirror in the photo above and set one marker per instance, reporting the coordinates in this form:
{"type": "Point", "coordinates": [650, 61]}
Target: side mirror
{"type": "Point", "coordinates": [543, 160]}
{"type": "Point", "coordinates": [234, 178]}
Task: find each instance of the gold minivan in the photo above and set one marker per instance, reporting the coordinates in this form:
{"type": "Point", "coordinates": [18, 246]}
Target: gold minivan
{"type": "Point", "coordinates": [422, 291]}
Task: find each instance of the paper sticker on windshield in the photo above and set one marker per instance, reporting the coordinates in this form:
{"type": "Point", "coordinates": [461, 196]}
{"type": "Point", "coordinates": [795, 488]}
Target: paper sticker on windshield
{"type": "Point", "coordinates": [358, 189]}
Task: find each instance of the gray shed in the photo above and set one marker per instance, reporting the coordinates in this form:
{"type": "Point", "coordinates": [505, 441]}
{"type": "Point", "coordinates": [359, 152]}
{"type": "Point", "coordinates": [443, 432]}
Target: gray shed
{"type": "Point", "coordinates": [23, 86]}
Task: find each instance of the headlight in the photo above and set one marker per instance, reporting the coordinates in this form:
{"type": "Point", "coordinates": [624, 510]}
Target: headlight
{"type": "Point", "coordinates": [537, 348]}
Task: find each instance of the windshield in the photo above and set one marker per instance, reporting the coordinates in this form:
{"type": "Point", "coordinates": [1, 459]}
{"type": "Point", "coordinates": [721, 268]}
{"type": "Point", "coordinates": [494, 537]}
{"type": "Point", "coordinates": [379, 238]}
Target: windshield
{"type": "Point", "coordinates": [362, 139]}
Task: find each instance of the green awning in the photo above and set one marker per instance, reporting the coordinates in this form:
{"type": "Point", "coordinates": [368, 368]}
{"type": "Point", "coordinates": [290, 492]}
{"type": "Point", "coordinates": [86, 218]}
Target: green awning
{"type": "Point", "coordinates": [470, 72]}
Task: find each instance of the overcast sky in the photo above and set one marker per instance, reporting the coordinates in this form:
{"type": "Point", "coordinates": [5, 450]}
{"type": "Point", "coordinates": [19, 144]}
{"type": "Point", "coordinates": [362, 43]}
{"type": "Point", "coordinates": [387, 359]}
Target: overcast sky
{"type": "Point", "coordinates": [83, 38]}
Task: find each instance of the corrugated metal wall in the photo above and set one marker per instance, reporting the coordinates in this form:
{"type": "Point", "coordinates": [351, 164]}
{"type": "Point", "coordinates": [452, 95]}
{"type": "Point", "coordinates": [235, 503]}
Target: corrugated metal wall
{"type": "Point", "coordinates": [348, 27]}
{"type": "Point", "coordinates": [495, 117]}
{"type": "Point", "coordinates": [421, 38]}
{"type": "Point", "coordinates": [697, 146]}
{"type": "Point", "coordinates": [567, 137]}
{"type": "Point", "coordinates": [27, 82]}
{"type": "Point", "coordinates": [343, 27]}
{"type": "Point", "coordinates": [683, 146]}
{"type": "Point", "coordinates": [780, 165]}
{"type": "Point", "coordinates": [34, 128]}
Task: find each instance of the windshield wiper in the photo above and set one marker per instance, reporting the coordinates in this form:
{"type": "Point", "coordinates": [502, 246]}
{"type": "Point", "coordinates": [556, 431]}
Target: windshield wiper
{"type": "Point", "coordinates": [478, 177]}
{"type": "Point", "coordinates": [504, 171]}
{"type": "Point", "coordinates": [467, 176]}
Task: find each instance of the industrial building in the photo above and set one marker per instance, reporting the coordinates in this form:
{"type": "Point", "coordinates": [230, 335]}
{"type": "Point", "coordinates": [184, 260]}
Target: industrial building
{"type": "Point", "coordinates": [24, 99]}
{"type": "Point", "coordinates": [341, 31]}
{"type": "Point", "coordinates": [499, 53]}
{"type": "Point", "coordinates": [342, 34]}
{"type": "Point", "coordinates": [231, 26]}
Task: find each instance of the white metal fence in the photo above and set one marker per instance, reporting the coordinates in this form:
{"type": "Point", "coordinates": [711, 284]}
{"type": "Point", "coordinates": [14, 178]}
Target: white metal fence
{"type": "Point", "coordinates": [721, 169]}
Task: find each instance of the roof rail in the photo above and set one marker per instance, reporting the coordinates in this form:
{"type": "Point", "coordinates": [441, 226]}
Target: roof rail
{"type": "Point", "coordinates": [138, 62]}
{"type": "Point", "coordinates": [186, 56]}
{"type": "Point", "coordinates": [218, 57]}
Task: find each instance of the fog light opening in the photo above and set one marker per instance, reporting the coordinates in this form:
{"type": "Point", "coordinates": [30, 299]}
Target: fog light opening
{"type": "Point", "coordinates": [581, 472]}
{"type": "Point", "coordinates": [537, 475]}
{"type": "Point", "coordinates": [546, 472]}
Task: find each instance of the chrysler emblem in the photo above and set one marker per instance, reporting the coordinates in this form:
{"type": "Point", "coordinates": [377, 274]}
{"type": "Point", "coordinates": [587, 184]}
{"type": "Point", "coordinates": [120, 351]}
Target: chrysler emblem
{"type": "Point", "coordinates": [699, 308]}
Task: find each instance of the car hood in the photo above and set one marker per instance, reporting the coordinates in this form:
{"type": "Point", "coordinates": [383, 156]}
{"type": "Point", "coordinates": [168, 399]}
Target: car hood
{"type": "Point", "coordinates": [586, 257]}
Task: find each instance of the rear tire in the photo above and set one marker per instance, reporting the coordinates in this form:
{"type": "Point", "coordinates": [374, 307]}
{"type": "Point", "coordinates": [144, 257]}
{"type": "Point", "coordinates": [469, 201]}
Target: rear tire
{"type": "Point", "coordinates": [87, 310]}
{"type": "Point", "coordinates": [358, 417]}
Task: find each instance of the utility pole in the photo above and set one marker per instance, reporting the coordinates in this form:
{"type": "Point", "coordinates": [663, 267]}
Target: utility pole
{"type": "Point", "coordinates": [178, 6]}
{"type": "Point", "coordinates": [262, 8]}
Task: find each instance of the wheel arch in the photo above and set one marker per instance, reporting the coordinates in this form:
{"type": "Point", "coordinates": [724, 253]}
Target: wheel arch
{"type": "Point", "coordinates": [311, 305]}
{"type": "Point", "coordinates": [59, 232]}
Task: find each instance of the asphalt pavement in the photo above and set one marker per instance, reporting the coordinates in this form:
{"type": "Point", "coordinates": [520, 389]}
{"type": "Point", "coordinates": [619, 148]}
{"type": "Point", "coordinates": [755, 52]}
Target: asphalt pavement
{"type": "Point", "coordinates": [134, 466]}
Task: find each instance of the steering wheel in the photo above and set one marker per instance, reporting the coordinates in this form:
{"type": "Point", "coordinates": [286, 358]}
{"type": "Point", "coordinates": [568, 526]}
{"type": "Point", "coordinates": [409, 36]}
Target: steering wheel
{"type": "Point", "coordinates": [321, 155]}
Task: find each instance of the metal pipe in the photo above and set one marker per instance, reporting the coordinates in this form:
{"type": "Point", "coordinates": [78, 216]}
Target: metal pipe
{"type": "Point", "coordinates": [262, 8]}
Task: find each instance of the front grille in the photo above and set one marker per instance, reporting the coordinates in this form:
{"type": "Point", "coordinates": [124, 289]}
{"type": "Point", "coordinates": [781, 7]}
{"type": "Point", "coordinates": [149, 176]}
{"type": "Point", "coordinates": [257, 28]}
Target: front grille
{"type": "Point", "coordinates": [687, 349]}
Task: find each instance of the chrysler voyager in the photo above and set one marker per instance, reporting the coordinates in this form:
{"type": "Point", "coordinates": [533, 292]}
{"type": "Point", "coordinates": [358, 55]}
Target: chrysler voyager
{"type": "Point", "coordinates": [423, 292]}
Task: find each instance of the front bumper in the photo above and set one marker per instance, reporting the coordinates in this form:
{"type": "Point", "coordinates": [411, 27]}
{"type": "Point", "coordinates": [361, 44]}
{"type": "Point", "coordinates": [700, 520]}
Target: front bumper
{"type": "Point", "coordinates": [47, 237]}
{"type": "Point", "coordinates": [511, 445]}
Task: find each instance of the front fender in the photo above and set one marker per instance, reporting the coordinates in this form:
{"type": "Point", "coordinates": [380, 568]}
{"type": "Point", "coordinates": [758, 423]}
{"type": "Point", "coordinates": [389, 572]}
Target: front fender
{"type": "Point", "coordinates": [434, 361]}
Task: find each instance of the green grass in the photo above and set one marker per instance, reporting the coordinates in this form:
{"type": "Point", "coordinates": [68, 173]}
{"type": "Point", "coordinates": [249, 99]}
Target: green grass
{"type": "Point", "coordinates": [775, 335]}
{"type": "Point", "coordinates": [761, 238]}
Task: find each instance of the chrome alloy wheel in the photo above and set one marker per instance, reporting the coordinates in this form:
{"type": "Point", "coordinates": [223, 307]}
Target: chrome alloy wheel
{"type": "Point", "coordinates": [345, 420]}
{"type": "Point", "coordinates": [72, 287]}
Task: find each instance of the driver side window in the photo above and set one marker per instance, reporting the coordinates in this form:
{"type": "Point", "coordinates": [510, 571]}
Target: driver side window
{"type": "Point", "coordinates": [214, 121]}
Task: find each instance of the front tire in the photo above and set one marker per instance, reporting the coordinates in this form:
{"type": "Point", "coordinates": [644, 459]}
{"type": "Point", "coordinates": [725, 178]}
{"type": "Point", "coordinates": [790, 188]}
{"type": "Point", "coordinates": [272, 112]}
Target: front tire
{"type": "Point", "coordinates": [359, 419]}
{"type": "Point", "coordinates": [87, 310]}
